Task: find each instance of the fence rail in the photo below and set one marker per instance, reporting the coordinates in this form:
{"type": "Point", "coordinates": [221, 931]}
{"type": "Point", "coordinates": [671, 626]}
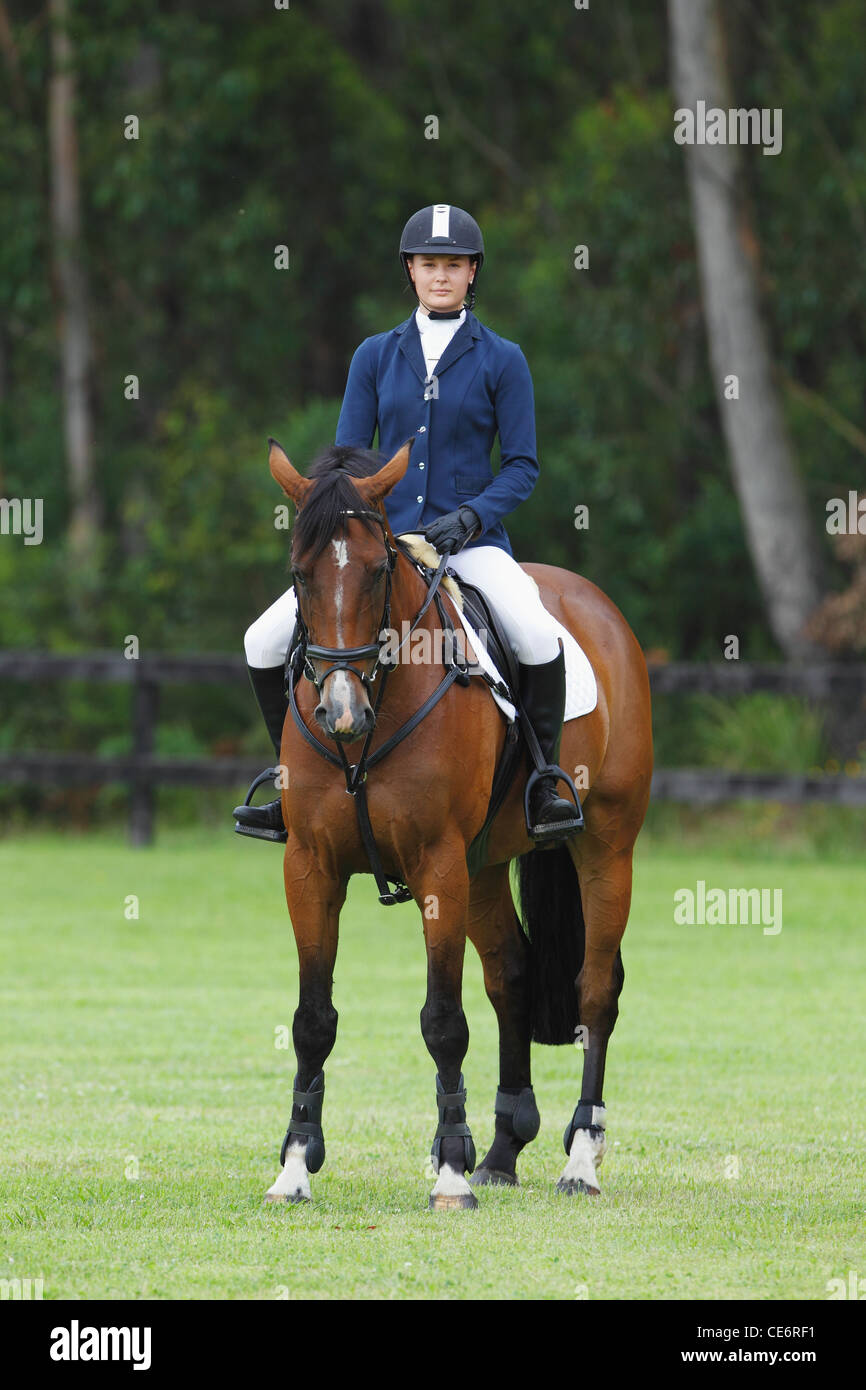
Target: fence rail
{"type": "Point", "coordinates": [142, 770]}
{"type": "Point", "coordinates": [708, 786]}
{"type": "Point", "coordinates": [819, 682]}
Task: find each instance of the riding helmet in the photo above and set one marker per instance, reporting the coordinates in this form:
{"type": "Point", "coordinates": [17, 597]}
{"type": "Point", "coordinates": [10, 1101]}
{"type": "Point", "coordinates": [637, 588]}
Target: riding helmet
{"type": "Point", "coordinates": [442, 230]}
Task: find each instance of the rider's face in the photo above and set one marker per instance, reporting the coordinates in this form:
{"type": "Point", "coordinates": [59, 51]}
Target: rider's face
{"type": "Point", "coordinates": [442, 282]}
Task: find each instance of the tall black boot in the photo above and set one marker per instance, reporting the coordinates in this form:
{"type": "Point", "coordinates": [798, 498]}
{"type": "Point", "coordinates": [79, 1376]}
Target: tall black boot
{"type": "Point", "coordinates": [550, 817]}
{"type": "Point", "coordinates": [266, 822]}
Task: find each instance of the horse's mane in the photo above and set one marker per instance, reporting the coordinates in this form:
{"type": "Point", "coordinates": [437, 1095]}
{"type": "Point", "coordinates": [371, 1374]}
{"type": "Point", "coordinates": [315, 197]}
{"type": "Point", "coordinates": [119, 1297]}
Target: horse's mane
{"type": "Point", "coordinates": [333, 470]}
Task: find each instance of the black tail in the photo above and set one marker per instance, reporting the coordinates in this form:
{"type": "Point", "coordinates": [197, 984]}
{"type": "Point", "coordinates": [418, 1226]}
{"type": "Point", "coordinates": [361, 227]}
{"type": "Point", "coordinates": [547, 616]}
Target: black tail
{"type": "Point", "coordinates": [552, 916]}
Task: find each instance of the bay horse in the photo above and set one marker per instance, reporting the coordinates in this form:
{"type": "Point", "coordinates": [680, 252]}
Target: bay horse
{"type": "Point", "coordinates": [558, 978]}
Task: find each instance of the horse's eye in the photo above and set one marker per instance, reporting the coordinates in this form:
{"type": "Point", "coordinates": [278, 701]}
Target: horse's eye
{"type": "Point", "coordinates": [300, 579]}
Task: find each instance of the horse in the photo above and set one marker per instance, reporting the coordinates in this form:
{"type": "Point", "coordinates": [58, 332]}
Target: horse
{"type": "Point", "coordinates": [556, 978]}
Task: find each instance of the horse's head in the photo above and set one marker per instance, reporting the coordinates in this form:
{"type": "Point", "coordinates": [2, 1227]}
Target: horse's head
{"type": "Point", "coordinates": [342, 561]}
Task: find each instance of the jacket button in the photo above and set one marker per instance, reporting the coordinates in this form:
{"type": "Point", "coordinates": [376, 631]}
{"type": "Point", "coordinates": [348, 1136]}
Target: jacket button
{"type": "Point", "coordinates": [421, 464]}
{"type": "Point", "coordinates": [419, 499]}
{"type": "Point", "coordinates": [422, 429]}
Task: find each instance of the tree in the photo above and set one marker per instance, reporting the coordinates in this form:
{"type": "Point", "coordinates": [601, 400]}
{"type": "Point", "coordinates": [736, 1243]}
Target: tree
{"type": "Point", "coordinates": [72, 297]}
{"type": "Point", "coordinates": [783, 548]}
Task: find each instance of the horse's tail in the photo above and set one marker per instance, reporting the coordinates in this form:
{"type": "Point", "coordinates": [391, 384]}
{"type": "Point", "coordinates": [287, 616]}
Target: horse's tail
{"type": "Point", "coordinates": [552, 915]}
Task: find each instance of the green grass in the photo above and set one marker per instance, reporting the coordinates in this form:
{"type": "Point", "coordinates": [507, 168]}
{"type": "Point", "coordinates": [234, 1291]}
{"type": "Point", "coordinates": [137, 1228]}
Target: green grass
{"type": "Point", "coordinates": [148, 1046]}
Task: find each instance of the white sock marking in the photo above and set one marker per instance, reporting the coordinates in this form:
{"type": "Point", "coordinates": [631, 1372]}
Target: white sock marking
{"type": "Point", "coordinates": [294, 1180]}
{"type": "Point", "coordinates": [450, 1183]}
{"type": "Point", "coordinates": [584, 1158]}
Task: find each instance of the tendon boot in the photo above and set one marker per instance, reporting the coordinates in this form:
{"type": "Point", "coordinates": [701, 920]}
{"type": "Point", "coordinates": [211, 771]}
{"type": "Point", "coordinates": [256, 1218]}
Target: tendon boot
{"type": "Point", "coordinates": [266, 822]}
{"type": "Point", "coordinates": [549, 817]}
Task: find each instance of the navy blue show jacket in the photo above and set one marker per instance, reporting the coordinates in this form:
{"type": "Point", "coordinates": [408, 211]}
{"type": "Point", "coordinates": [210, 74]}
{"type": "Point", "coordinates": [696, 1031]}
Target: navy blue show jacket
{"type": "Point", "coordinates": [484, 386]}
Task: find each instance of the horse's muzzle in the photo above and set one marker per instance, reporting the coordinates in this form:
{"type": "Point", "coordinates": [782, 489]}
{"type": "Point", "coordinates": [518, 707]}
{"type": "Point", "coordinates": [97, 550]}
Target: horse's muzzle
{"type": "Point", "coordinates": [345, 724]}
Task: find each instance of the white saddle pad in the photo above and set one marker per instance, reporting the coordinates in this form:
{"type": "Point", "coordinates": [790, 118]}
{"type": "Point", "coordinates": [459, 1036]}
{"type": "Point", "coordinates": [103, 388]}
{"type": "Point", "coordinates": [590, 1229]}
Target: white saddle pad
{"type": "Point", "coordinates": [581, 691]}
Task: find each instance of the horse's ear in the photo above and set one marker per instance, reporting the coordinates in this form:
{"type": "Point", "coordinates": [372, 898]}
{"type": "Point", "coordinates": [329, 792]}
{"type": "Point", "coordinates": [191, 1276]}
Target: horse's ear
{"type": "Point", "coordinates": [289, 478]}
{"type": "Point", "coordinates": [374, 488]}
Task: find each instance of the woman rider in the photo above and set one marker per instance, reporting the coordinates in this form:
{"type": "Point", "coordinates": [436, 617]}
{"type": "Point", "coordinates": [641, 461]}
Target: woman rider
{"type": "Point", "coordinates": [453, 384]}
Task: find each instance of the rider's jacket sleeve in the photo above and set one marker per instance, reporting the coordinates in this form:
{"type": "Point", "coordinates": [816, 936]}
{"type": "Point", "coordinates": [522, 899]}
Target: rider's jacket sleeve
{"type": "Point", "coordinates": [514, 404]}
{"type": "Point", "coordinates": [357, 423]}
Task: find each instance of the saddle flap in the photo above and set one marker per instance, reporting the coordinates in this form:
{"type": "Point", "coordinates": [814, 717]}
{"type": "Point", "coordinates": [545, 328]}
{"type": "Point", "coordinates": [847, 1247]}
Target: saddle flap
{"type": "Point", "coordinates": [482, 618]}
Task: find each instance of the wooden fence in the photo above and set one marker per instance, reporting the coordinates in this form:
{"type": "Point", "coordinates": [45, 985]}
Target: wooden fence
{"type": "Point", "coordinates": [142, 770]}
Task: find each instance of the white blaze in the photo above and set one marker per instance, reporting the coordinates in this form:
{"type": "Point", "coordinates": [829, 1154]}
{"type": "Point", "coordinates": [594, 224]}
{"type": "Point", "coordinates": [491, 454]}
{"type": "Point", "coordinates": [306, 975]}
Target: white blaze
{"type": "Point", "coordinates": [341, 690]}
{"type": "Point", "coordinates": [341, 557]}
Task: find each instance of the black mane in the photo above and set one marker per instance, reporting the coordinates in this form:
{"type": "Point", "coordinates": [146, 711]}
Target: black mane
{"type": "Point", "coordinates": [319, 518]}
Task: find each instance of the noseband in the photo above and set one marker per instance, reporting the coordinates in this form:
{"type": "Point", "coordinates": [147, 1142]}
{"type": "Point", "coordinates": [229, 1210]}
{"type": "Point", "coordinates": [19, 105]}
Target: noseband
{"type": "Point", "coordinates": [343, 658]}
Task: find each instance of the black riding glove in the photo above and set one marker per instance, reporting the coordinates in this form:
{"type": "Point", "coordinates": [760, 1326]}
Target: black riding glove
{"type": "Point", "coordinates": [449, 533]}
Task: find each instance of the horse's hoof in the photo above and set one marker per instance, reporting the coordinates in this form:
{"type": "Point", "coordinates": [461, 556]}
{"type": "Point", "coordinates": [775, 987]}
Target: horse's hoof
{"type": "Point", "coordinates": [574, 1187]}
{"type": "Point", "coordinates": [445, 1201]}
{"type": "Point", "coordinates": [493, 1177]}
{"type": "Point", "coordinates": [286, 1198]}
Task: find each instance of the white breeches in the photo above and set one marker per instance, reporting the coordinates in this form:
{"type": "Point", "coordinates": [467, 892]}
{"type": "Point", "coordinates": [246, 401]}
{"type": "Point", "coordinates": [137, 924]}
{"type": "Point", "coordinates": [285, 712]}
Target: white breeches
{"type": "Point", "coordinates": [528, 626]}
{"type": "Point", "coordinates": [515, 599]}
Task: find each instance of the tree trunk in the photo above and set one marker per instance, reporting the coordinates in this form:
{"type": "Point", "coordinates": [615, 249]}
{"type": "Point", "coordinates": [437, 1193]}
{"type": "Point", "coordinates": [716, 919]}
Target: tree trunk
{"type": "Point", "coordinates": [143, 78]}
{"type": "Point", "coordinates": [13, 63]}
{"type": "Point", "coordinates": [71, 289]}
{"type": "Point", "coordinates": [782, 544]}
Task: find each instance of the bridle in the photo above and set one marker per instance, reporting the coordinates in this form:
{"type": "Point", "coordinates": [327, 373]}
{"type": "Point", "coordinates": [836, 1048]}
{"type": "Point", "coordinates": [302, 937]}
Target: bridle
{"type": "Point", "coordinates": [343, 658]}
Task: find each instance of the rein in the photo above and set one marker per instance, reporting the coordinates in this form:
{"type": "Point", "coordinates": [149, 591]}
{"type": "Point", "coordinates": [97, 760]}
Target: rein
{"type": "Point", "coordinates": [301, 656]}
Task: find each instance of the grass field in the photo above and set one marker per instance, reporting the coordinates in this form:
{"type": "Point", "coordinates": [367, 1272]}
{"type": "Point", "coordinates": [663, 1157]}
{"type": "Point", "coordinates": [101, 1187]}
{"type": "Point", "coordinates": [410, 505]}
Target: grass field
{"type": "Point", "coordinates": [145, 1097]}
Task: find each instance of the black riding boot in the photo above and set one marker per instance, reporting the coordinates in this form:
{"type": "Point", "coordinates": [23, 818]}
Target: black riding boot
{"type": "Point", "coordinates": [266, 822]}
{"type": "Point", "coordinates": [542, 698]}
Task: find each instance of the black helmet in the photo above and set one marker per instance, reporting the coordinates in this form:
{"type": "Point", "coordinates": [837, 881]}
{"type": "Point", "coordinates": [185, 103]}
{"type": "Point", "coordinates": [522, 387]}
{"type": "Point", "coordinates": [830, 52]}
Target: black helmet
{"type": "Point", "coordinates": [442, 230]}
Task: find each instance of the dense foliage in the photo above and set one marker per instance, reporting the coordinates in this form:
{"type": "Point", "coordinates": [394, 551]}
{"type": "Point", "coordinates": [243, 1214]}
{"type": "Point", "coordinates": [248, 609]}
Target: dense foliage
{"type": "Point", "coordinates": [306, 127]}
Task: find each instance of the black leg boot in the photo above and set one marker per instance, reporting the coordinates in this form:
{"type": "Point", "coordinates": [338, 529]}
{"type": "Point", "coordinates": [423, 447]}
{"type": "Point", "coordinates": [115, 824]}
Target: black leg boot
{"type": "Point", "coordinates": [550, 817]}
{"type": "Point", "coordinates": [266, 822]}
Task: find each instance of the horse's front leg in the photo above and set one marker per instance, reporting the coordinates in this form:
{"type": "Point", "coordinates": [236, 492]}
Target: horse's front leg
{"type": "Point", "coordinates": [442, 892]}
{"type": "Point", "coordinates": [315, 898]}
